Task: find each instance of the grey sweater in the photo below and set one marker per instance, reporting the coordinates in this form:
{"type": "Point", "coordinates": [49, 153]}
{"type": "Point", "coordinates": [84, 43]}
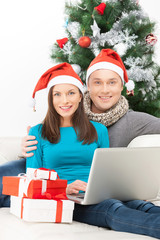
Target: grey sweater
{"type": "Point", "coordinates": [131, 125]}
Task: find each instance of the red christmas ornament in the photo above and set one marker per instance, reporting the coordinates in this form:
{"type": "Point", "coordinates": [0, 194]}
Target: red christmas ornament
{"type": "Point", "coordinates": [100, 8]}
{"type": "Point", "coordinates": [84, 42]}
{"type": "Point", "coordinates": [151, 39]}
{"type": "Point", "coordinates": [130, 93]}
{"type": "Point", "coordinates": [62, 42]}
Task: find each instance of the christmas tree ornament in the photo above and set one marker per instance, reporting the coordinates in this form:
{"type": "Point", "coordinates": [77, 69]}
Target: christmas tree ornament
{"type": "Point", "coordinates": [120, 48]}
{"type": "Point", "coordinates": [76, 68]}
{"type": "Point", "coordinates": [95, 29]}
{"type": "Point", "coordinates": [130, 93]}
{"type": "Point", "coordinates": [100, 8]}
{"type": "Point", "coordinates": [66, 23]}
{"type": "Point", "coordinates": [84, 42]}
{"type": "Point", "coordinates": [67, 50]}
{"type": "Point", "coordinates": [151, 39]}
{"type": "Point", "coordinates": [62, 42]}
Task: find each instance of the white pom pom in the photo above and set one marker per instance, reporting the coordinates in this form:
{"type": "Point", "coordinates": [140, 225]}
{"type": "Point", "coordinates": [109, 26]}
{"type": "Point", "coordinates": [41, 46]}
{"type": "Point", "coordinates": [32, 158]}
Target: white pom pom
{"type": "Point", "coordinates": [76, 68]}
{"type": "Point", "coordinates": [120, 48]}
{"type": "Point", "coordinates": [32, 103]}
{"type": "Point", "coordinates": [130, 85]}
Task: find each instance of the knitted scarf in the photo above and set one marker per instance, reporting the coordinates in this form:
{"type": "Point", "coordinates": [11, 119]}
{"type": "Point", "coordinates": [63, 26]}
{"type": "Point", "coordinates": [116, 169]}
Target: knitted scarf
{"type": "Point", "coordinates": [110, 116]}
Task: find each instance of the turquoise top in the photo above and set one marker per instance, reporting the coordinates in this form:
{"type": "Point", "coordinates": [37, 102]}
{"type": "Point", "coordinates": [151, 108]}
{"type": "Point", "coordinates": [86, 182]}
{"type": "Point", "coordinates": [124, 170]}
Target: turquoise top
{"type": "Point", "coordinates": [69, 157]}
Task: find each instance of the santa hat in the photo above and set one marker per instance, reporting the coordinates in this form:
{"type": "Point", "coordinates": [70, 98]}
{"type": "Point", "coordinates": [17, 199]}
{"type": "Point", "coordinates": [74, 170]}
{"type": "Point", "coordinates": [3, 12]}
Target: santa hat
{"type": "Point", "coordinates": [109, 59]}
{"type": "Point", "coordinates": [61, 73]}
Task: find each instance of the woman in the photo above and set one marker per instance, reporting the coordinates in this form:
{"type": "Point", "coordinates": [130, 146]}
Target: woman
{"type": "Point", "coordinates": [66, 138]}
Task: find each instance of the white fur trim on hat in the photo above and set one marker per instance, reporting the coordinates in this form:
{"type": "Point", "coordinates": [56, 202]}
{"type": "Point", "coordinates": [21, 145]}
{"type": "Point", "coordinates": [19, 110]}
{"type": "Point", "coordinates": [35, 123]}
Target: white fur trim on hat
{"type": "Point", "coordinates": [105, 65]}
{"type": "Point", "coordinates": [65, 79]}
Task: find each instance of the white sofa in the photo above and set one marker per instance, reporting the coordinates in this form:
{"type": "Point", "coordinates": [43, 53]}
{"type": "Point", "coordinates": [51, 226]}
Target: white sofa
{"type": "Point", "coordinates": [12, 227]}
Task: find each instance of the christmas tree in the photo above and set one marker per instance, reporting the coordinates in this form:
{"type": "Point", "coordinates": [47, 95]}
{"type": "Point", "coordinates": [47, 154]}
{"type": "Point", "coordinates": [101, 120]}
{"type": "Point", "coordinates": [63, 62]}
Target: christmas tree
{"type": "Point", "coordinates": [123, 26]}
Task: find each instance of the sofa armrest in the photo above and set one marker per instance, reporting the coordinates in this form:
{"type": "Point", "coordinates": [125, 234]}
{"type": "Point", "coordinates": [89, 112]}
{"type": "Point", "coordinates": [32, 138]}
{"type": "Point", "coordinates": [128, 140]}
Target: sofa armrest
{"type": "Point", "coordinates": [10, 148]}
{"type": "Point", "coordinates": [152, 140]}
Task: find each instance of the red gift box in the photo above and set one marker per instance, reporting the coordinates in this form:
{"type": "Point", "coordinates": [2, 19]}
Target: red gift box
{"type": "Point", "coordinates": [34, 188]}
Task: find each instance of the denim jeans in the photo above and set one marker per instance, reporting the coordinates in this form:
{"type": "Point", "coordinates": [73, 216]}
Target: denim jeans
{"type": "Point", "coordinates": [12, 168]}
{"type": "Point", "coordinates": [140, 217]}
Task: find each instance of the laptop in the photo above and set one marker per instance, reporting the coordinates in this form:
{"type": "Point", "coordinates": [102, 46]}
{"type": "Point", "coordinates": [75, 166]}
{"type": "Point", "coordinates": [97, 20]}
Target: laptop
{"type": "Point", "coordinates": [122, 173]}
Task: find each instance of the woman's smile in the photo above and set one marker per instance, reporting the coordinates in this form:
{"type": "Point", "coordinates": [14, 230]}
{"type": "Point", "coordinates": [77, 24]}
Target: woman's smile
{"type": "Point", "coordinates": [66, 108]}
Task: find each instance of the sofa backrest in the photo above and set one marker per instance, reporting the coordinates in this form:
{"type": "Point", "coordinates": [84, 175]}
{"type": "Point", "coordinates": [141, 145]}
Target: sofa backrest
{"type": "Point", "coordinates": [10, 148]}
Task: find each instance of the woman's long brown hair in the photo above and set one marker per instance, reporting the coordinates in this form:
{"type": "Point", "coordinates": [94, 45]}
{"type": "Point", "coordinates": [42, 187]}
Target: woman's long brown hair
{"type": "Point", "coordinates": [85, 130]}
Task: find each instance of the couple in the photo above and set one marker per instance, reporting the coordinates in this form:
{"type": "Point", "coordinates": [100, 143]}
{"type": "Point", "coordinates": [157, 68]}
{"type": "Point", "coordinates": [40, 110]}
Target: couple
{"type": "Point", "coordinates": [68, 136]}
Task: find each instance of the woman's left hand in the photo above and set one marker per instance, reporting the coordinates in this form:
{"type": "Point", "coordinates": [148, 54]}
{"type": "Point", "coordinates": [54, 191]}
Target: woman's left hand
{"type": "Point", "coordinates": [76, 186]}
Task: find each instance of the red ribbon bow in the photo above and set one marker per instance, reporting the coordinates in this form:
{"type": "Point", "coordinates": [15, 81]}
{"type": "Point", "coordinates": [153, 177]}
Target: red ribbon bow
{"type": "Point", "coordinates": [61, 196]}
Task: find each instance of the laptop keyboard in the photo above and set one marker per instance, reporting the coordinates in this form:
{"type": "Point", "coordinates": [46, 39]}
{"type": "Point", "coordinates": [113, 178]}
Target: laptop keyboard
{"type": "Point", "coordinates": [78, 195]}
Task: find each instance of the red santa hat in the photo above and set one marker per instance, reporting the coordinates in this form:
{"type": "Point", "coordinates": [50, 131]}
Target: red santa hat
{"type": "Point", "coordinates": [109, 59]}
{"type": "Point", "coordinates": [61, 73]}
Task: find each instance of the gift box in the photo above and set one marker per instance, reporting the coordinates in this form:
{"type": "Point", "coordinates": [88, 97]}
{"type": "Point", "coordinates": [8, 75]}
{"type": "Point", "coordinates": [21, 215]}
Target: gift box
{"type": "Point", "coordinates": [34, 188]}
{"type": "Point", "coordinates": [41, 173]}
{"type": "Point", "coordinates": [42, 210]}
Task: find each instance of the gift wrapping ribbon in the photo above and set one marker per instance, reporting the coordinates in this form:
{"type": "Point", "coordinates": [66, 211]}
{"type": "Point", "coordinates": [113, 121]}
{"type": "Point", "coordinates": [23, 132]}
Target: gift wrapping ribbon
{"type": "Point", "coordinates": [45, 169]}
{"type": "Point", "coordinates": [59, 211]}
{"type": "Point", "coordinates": [24, 185]}
{"type": "Point", "coordinates": [22, 207]}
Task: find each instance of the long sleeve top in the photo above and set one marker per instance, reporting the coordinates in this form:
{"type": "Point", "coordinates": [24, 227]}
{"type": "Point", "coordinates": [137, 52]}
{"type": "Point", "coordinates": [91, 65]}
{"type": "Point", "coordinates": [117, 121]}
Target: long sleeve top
{"type": "Point", "coordinates": [131, 125]}
{"type": "Point", "coordinates": [69, 157]}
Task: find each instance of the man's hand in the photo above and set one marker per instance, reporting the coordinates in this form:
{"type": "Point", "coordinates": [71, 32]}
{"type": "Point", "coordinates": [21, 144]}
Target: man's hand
{"type": "Point", "coordinates": [27, 144]}
{"type": "Point", "coordinates": [76, 186]}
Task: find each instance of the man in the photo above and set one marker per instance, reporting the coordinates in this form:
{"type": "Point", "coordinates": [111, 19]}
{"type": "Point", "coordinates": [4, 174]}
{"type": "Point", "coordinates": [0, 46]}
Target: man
{"type": "Point", "coordinates": [103, 103]}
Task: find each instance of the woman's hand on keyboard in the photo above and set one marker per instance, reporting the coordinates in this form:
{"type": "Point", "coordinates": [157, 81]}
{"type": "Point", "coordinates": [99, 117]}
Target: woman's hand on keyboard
{"type": "Point", "coordinates": [76, 186]}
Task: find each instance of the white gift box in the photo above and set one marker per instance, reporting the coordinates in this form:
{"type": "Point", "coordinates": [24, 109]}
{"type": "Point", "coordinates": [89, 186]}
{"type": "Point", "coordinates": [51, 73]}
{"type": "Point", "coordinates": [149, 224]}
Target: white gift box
{"type": "Point", "coordinates": [41, 173]}
{"type": "Point", "coordinates": [42, 210]}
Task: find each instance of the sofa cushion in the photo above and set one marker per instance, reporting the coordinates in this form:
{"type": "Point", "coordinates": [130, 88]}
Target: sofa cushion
{"type": "Point", "coordinates": [12, 227]}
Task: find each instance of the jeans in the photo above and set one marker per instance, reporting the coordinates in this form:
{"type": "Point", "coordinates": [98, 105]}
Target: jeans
{"type": "Point", "coordinates": [12, 168]}
{"type": "Point", "coordinates": [140, 217]}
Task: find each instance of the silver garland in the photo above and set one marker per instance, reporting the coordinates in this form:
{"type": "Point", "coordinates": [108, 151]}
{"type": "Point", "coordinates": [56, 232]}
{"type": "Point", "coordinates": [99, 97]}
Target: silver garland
{"type": "Point", "coordinates": [74, 29]}
{"type": "Point", "coordinates": [138, 72]}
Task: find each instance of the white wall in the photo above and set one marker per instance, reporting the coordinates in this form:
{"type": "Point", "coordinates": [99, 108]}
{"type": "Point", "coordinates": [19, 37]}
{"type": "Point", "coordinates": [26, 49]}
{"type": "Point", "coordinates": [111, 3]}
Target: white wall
{"type": "Point", "coordinates": [27, 33]}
